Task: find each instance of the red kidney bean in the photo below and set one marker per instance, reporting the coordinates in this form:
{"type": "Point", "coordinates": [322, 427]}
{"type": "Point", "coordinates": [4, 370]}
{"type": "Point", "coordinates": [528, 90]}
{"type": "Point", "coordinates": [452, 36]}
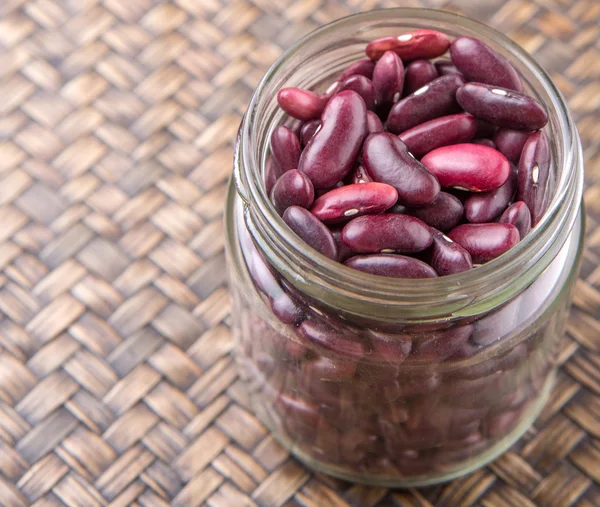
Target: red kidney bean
{"type": "Point", "coordinates": [445, 67]}
{"type": "Point", "coordinates": [308, 130]}
{"type": "Point", "coordinates": [321, 334]}
{"type": "Point", "coordinates": [311, 230]}
{"type": "Point", "coordinates": [295, 126]}
{"type": "Point", "coordinates": [501, 106]}
{"type": "Point", "coordinates": [285, 148]}
{"type": "Point", "coordinates": [485, 142]}
{"type": "Point", "coordinates": [443, 214]}
{"type": "Point", "coordinates": [341, 204]}
{"type": "Point", "coordinates": [306, 413]}
{"type": "Point", "coordinates": [433, 100]}
{"type": "Point", "coordinates": [421, 43]}
{"type": "Point", "coordinates": [362, 67]}
{"type": "Point", "coordinates": [479, 62]}
{"type": "Point", "coordinates": [453, 129]}
{"type": "Point", "coordinates": [287, 310]}
{"type": "Point", "coordinates": [374, 233]}
{"type": "Point", "coordinates": [510, 143]}
{"type": "Point", "coordinates": [360, 175]}
{"type": "Point", "coordinates": [330, 154]}
{"type": "Point", "coordinates": [363, 86]}
{"type": "Point", "coordinates": [418, 74]}
{"type": "Point", "coordinates": [328, 369]}
{"type": "Point", "coordinates": [270, 174]}
{"type": "Point", "coordinates": [373, 123]}
{"type": "Point", "coordinates": [485, 241]}
{"type": "Point", "coordinates": [398, 266]}
{"type": "Point", "coordinates": [519, 215]}
{"type": "Point", "coordinates": [534, 166]}
{"type": "Point", "coordinates": [390, 348]}
{"type": "Point", "coordinates": [486, 206]}
{"type": "Point", "coordinates": [485, 128]}
{"type": "Point", "coordinates": [388, 80]}
{"type": "Point", "coordinates": [448, 257]}
{"type": "Point", "coordinates": [468, 167]}
{"type": "Point", "coordinates": [387, 160]}
{"type": "Point", "coordinates": [301, 104]}
{"type": "Point", "coordinates": [293, 188]}
{"type": "Point", "coordinates": [440, 345]}
{"type": "Point", "coordinates": [343, 251]}
{"type": "Point", "coordinates": [323, 191]}
{"type": "Point", "coordinates": [500, 424]}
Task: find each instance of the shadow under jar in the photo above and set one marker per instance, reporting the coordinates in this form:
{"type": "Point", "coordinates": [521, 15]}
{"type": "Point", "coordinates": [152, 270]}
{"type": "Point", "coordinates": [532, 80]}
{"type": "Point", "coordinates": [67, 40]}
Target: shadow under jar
{"type": "Point", "coordinates": [385, 381]}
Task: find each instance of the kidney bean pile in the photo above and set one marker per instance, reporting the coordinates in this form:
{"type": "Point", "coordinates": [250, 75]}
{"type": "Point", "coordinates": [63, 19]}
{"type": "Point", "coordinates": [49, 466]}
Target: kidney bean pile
{"type": "Point", "coordinates": [406, 168]}
{"type": "Point", "coordinates": [410, 168]}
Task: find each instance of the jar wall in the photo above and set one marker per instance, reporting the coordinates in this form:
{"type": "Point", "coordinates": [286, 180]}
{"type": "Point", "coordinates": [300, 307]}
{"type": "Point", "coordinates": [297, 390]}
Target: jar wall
{"type": "Point", "coordinates": [411, 406]}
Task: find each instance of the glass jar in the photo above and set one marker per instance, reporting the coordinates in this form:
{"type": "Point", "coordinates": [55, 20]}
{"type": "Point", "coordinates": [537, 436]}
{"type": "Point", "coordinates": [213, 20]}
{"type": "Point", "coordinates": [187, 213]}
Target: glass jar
{"type": "Point", "coordinates": [388, 381]}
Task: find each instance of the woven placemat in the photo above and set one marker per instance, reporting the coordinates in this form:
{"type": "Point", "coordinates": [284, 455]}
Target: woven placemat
{"type": "Point", "coordinates": [117, 120]}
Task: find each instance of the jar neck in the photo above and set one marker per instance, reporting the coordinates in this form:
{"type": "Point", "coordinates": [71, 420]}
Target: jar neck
{"type": "Point", "coordinates": [312, 63]}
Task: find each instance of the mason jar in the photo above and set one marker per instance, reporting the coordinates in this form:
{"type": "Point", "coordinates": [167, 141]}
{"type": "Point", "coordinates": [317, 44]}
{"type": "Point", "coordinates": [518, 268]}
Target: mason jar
{"type": "Point", "coordinates": [386, 381]}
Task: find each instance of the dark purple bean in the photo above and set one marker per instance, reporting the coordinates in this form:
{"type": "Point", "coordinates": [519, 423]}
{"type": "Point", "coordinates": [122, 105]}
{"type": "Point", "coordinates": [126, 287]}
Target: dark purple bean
{"type": "Point", "coordinates": [502, 107]}
{"type": "Point", "coordinates": [510, 143]}
{"type": "Point", "coordinates": [468, 167]}
{"type": "Point", "coordinates": [479, 62]}
{"type": "Point", "coordinates": [445, 67]}
{"type": "Point", "coordinates": [448, 257]}
{"type": "Point", "coordinates": [388, 80]}
{"type": "Point", "coordinates": [360, 175]}
{"type": "Point", "coordinates": [485, 241]}
{"type": "Point", "coordinates": [397, 266]}
{"type": "Point", "coordinates": [485, 142]}
{"type": "Point", "coordinates": [453, 129]}
{"type": "Point", "coordinates": [376, 233]}
{"type": "Point", "coordinates": [433, 100]}
{"type": "Point", "coordinates": [373, 123]}
{"type": "Point", "coordinates": [311, 230]}
{"type": "Point", "coordinates": [293, 188]}
{"type": "Point", "coordinates": [343, 251]}
{"type": "Point", "coordinates": [519, 215]}
{"type": "Point", "coordinates": [301, 104]}
{"type": "Point", "coordinates": [321, 334]}
{"type": "Point", "coordinates": [330, 154]}
{"type": "Point", "coordinates": [534, 167]}
{"type": "Point", "coordinates": [421, 43]}
{"type": "Point", "coordinates": [341, 204]}
{"type": "Point", "coordinates": [486, 206]}
{"type": "Point", "coordinates": [270, 174]}
{"type": "Point", "coordinates": [387, 160]}
{"type": "Point", "coordinates": [308, 130]}
{"type": "Point", "coordinates": [362, 67]}
{"type": "Point", "coordinates": [443, 214]}
{"type": "Point", "coordinates": [418, 74]}
{"type": "Point", "coordinates": [363, 86]}
{"type": "Point", "coordinates": [285, 148]}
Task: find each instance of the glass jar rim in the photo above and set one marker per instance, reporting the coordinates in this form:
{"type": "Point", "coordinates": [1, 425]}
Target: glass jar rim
{"type": "Point", "coordinates": [464, 293]}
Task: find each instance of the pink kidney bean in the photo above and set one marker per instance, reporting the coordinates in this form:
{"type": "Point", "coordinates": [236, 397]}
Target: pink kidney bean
{"type": "Point", "coordinates": [387, 160]}
{"type": "Point", "coordinates": [418, 74]}
{"type": "Point", "coordinates": [311, 230]}
{"type": "Point", "coordinates": [479, 62]}
{"type": "Point", "coordinates": [373, 123]}
{"type": "Point", "coordinates": [486, 206]}
{"type": "Point", "coordinates": [518, 214]}
{"type": "Point", "coordinates": [285, 148]}
{"type": "Point", "coordinates": [501, 106]}
{"type": "Point", "coordinates": [443, 214]}
{"type": "Point", "coordinates": [363, 86]}
{"type": "Point", "coordinates": [388, 80]}
{"type": "Point", "coordinates": [445, 67]}
{"type": "Point", "coordinates": [433, 100]}
{"type": "Point", "coordinates": [398, 233]}
{"type": "Point", "coordinates": [360, 175]}
{"type": "Point", "coordinates": [362, 67]}
{"type": "Point", "coordinates": [510, 143]}
{"type": "Point", "coordinates": [341, 204]}
{"type": "Point", "coordinates": [293, 188]}
{"type": "Point", "coordinates": [308, 131]}
{"type": "Point", "coordinates": [330, 154]}
{"type": "Point", "coordinates": [343, 251]}
{"type": "Point", "coordinates": [485, 142]}
{"type": "Point", "coordinates": [421, 43]}
{"type": "Point", "coordinates": [485, 241]}
{"type": "Point", "coordinates": [470, 167]}
{"type": "Point", "coordinates": [301, 104]}
{"type": "Point", "coordinates": [398, 266]}
{"type": "Point", "coordinates": [453, 129]}
{"type": "Point", "coordinates": [322, 335]}
{"type": "Point", "coordinates": [448, 257]}
{"type": "Point", "coordinates": [534, 168]}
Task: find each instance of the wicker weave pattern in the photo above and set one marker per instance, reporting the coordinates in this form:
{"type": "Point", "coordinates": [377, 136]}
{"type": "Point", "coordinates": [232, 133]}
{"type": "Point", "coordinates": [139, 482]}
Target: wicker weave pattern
{"type": "Point", "coordinates": [117, 119]}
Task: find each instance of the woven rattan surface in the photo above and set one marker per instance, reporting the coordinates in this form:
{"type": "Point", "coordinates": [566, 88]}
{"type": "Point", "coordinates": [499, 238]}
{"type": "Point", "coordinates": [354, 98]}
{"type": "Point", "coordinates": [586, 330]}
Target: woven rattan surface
{"type": "Point", "coordinates": [117, 119]}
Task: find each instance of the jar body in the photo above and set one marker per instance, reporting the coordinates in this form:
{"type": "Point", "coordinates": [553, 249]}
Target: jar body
{"type": "Point", "coordinates": [393, 392]}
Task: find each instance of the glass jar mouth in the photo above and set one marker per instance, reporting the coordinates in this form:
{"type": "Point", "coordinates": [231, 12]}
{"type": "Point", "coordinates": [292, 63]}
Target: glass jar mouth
{"type": "Point", "coordinates": [340, 286]}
